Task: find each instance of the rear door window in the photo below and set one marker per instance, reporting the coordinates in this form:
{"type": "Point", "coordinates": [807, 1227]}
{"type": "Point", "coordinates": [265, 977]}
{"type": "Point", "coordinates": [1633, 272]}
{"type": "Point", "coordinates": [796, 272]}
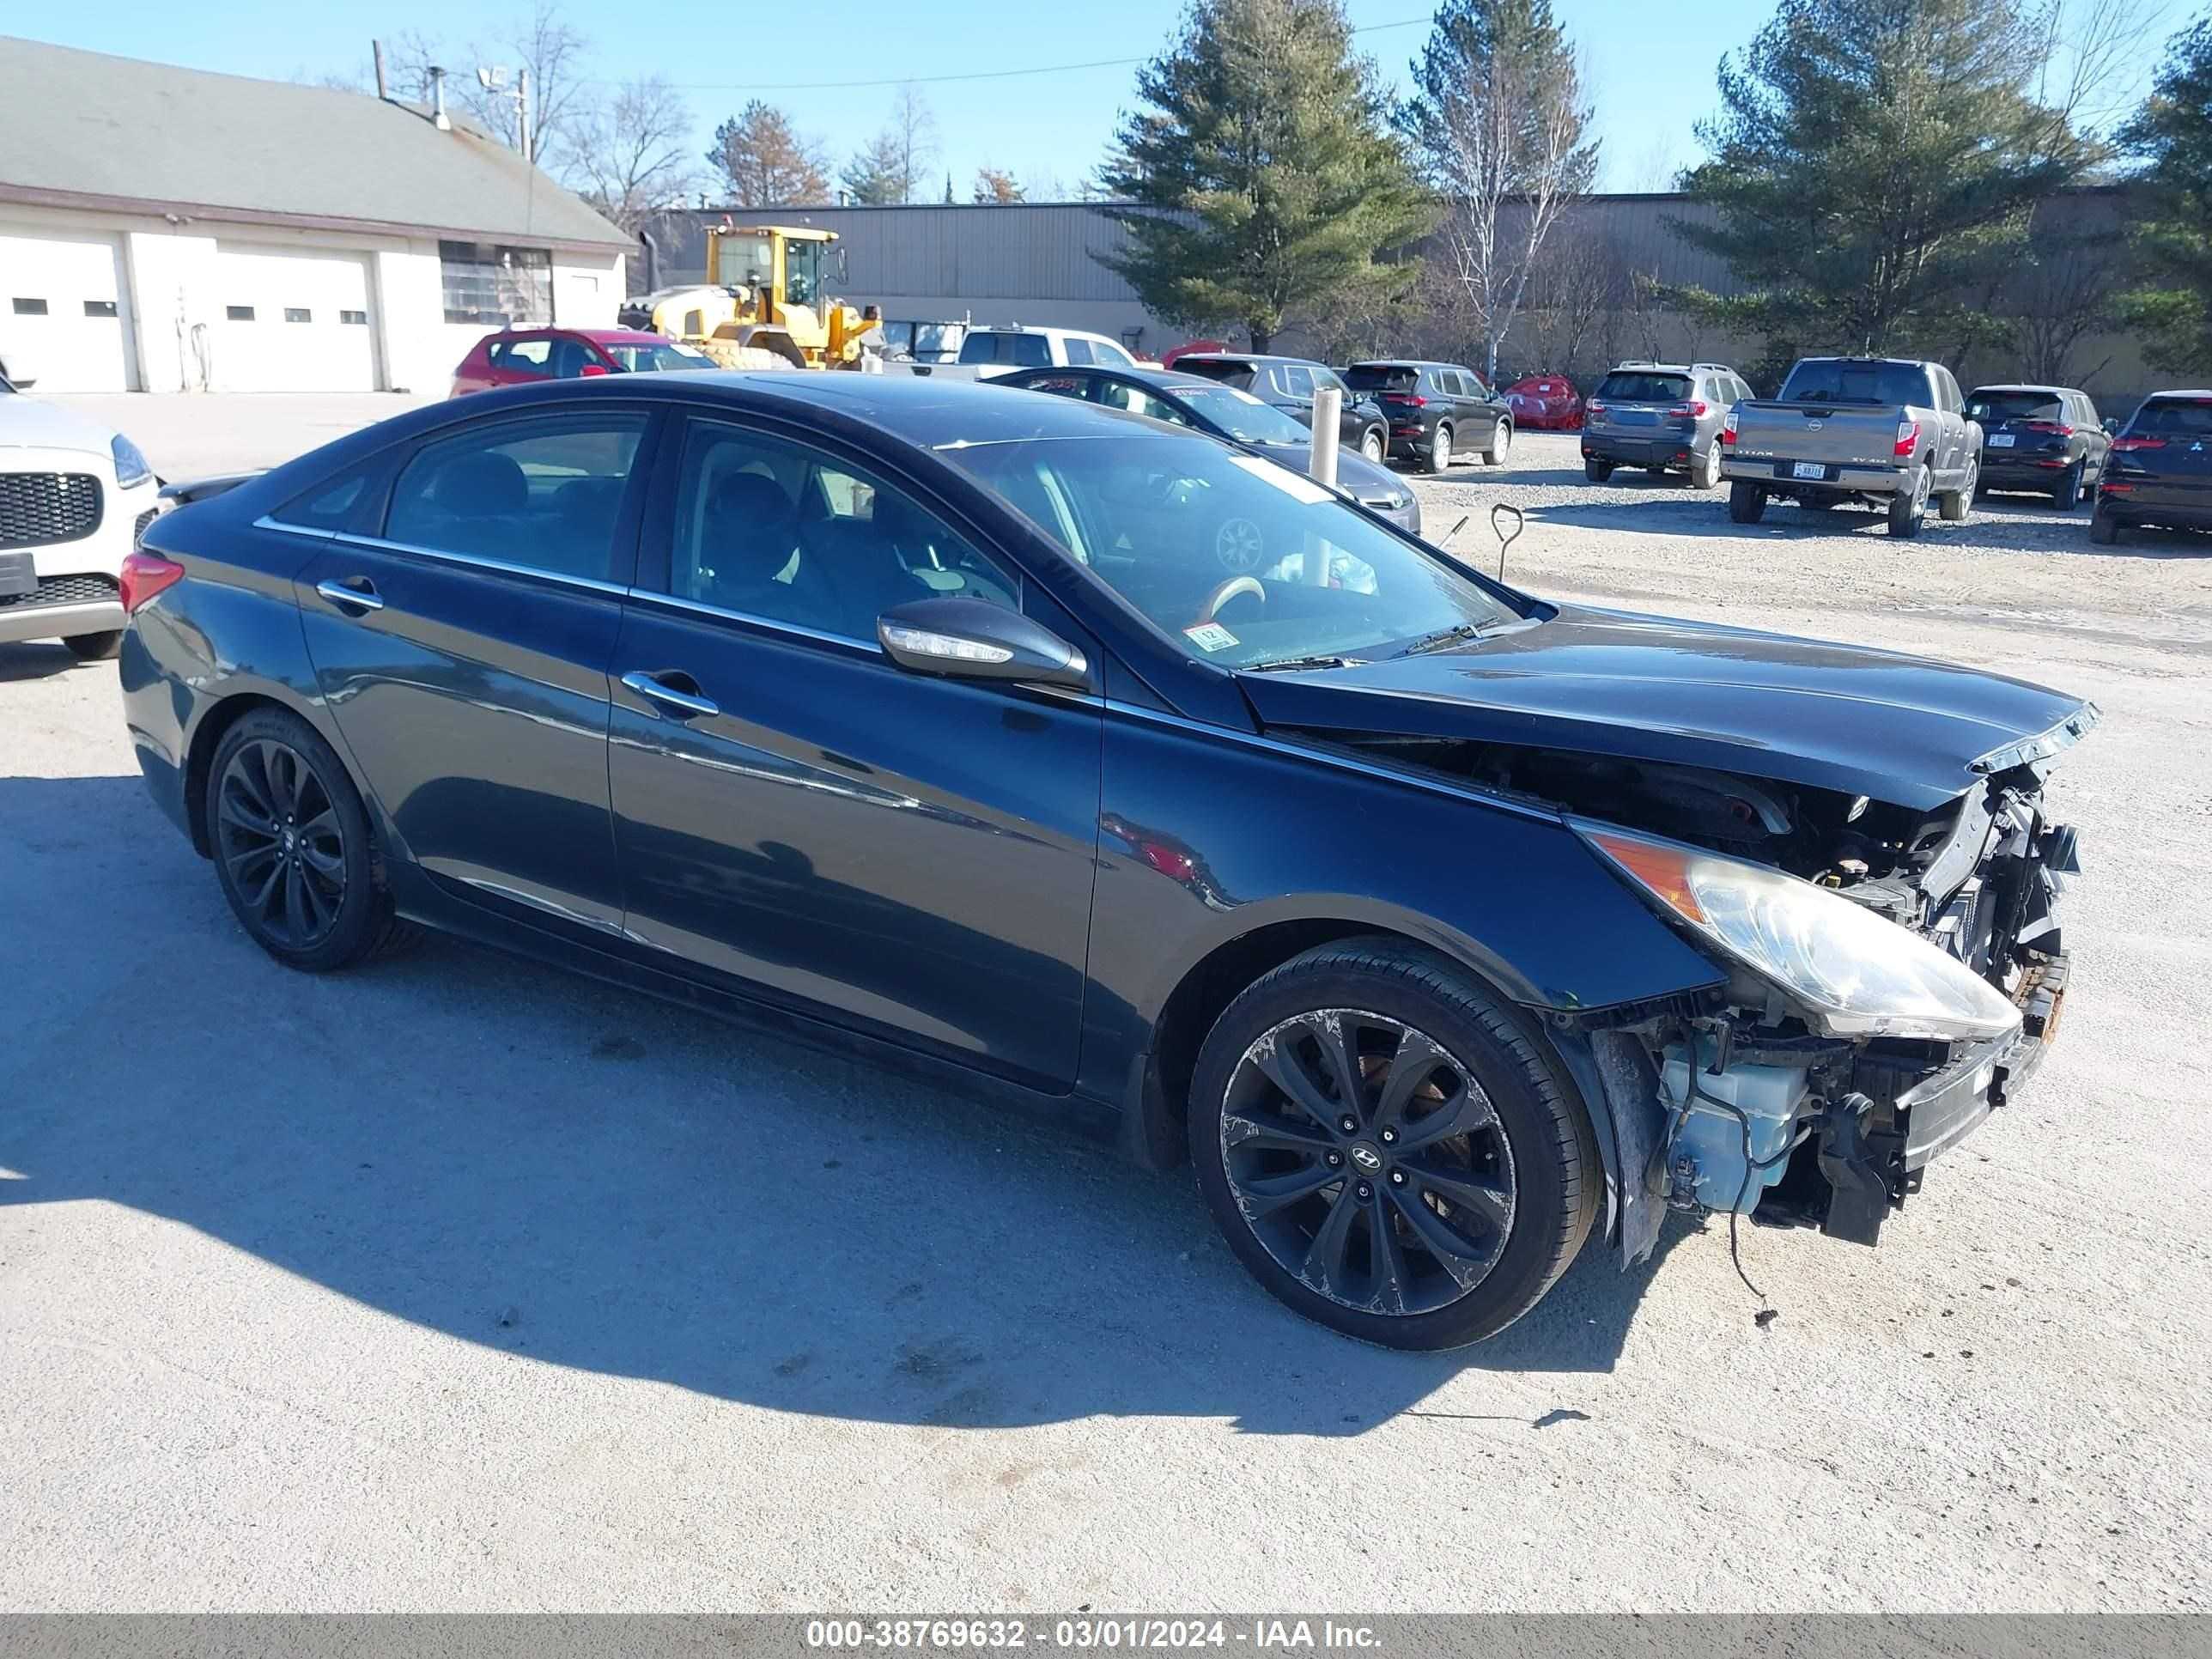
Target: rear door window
{"type": "Point", "coordinates": [1106, 352]}
{"type": "Point", "coordinates": [542, 495]}
{"type": "Point", "coordinates": [523, 356]}
{"type": "Point", "coordinates": [1297, 381]}
{"type": "Point", "coordinates": [1077, 350]}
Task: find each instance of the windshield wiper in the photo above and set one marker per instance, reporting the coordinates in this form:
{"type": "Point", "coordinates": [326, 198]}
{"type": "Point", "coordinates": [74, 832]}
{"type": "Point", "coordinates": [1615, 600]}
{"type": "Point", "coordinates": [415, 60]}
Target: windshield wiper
{"type": "Point", "coordinates": [1443, 638]}
{"type": "Point", "coordinates": [1281, 663]}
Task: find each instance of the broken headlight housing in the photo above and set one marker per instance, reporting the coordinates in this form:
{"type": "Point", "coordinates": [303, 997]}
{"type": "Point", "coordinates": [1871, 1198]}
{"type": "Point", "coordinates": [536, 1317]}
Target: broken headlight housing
{"type": "Point", "coordinates": [1856, 974]}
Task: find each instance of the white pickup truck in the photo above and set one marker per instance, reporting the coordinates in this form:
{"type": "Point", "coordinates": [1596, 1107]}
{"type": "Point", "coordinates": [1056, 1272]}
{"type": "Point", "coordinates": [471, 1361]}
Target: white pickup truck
{"type": "Point", "coordinates": [986, 353]}
{"type": "Point", "coordinates": [1881, 430]}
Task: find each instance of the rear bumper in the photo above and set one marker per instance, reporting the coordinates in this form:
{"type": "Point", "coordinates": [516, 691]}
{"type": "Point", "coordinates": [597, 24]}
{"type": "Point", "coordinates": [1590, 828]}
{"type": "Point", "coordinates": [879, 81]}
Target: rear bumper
{"type": "Point", "coordinates": [2002, 470]}
{"type": "Point", "coordinates": [21, 621]}
{"type": "Point", "coordinates": [2140, 507]}
{"type": "Point", "coordinates": [1670, 449]}
{"type": "Point", "coordinates": [1781, 476]}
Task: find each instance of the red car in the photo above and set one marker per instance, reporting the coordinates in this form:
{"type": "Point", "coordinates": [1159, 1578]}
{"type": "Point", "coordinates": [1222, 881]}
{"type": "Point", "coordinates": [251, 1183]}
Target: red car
{"type": "Point", "coordinates": [520, 356]}
{"type": "Point", "coordinates": [1546, 403]}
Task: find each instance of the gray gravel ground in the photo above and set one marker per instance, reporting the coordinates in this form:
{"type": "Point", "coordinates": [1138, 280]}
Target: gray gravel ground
{"type": "Point", "coordinates": [459, 1283]}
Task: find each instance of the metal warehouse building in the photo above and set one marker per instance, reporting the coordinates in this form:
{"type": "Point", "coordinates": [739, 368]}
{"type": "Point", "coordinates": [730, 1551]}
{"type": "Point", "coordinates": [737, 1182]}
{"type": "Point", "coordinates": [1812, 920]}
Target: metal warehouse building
{"type": "Point", "coordinates": [165, 230]}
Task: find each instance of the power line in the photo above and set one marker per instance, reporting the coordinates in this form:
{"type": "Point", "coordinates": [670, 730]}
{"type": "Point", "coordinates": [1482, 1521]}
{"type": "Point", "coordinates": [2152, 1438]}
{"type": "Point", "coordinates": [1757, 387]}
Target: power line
{"type": "Point", "coordinates": [976, 75]}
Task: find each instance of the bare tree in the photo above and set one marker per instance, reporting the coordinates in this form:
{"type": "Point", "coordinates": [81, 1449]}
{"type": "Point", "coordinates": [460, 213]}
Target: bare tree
{"type": "Point", "coordinates": [630, 152]}
{"type": "Point", "coordinates": [1501, 119]}
{"type": "Point", "coordinates": [997, 186]}
{"type": "Point", "coordinates": [2062, 296]}
{"type": "Point", "coordinates": [766, 160]}
{"type": "Point", "coordinates": [913, 132]}
{"type": "Point", "coordinates": [1585, 278]}
{"type": "Point", "coordinates": [552, 52]}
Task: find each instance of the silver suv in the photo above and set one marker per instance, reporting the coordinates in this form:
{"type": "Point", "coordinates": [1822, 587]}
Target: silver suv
{"type": "Point", "coordinates": [1665, 417]}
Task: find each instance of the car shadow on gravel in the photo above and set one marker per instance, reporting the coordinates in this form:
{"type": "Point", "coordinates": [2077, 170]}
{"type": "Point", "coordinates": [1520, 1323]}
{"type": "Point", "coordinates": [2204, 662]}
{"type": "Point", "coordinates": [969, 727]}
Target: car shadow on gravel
{"type": "Point", "coordinates": [41, 661]}
{"type": "Point", "coordinates": [587, 1176]}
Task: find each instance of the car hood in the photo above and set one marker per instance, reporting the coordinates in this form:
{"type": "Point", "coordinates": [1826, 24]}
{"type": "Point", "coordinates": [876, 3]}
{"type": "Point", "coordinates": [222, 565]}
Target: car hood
{"type": "Point", "coordinates": [34, 423]}
{"type": "Point", "coordinates": [1840, 717]}
{"type": "Point", "coordinates": [1365, 480]}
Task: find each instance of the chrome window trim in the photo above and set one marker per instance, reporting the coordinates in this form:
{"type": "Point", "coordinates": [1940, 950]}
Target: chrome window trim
{"type": "Point", "coordinates": [474, 561]}
{"type": "Point", "coordinates": [700, 607]}
{"type": "Point", "coordinates": [269, 521]}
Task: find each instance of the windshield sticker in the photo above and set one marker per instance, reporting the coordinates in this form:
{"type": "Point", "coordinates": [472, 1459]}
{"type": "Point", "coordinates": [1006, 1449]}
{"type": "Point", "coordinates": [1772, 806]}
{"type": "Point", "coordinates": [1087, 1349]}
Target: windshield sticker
{"type": "Point", "coordinates": [1211, 636]}
{"type": "Point", "coordinates": [1296, 485]}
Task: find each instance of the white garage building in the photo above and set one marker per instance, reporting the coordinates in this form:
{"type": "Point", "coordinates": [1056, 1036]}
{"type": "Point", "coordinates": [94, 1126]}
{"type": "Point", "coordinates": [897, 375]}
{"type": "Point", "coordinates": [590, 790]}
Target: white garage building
{"type": "Point", "coordinates": [165, 230]}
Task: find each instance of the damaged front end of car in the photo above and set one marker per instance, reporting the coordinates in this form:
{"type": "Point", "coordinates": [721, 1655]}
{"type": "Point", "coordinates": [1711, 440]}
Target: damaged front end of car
{"type": "Point", "coordinates": [1893, 975]}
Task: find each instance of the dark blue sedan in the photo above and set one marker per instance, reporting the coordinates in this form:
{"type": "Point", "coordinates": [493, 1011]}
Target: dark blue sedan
{"type": "Point", "coordinates": [1440, 925]}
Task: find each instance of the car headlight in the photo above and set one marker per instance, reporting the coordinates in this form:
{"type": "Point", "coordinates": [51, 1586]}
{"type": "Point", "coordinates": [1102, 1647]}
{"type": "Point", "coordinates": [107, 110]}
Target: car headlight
{"type": "Point", "coordinates": [1859, 974]}
{"type": "Point", "coordinates": [131, 466]}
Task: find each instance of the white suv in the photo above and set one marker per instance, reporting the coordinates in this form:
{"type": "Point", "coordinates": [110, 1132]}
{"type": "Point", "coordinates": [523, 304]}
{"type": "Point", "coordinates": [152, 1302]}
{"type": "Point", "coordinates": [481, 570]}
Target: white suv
{"type": "Point", "coordinates": [1016, 347]}
{"type": "Point", "coordinates": [74, 499]}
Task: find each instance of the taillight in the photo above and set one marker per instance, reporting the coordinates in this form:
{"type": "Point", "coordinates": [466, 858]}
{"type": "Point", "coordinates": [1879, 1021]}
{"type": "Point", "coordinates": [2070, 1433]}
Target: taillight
{"type": "Point", "coordinates": [1594, 407]}
{"type": "Point", "coordinates": [1908, 437]}
{"type": "Point", "coordinates": [2056, 426]}
{"type": "Point", "coordinates": [2121, 446]}
{"type": "Point", "coordinates": [1728, 428]}
{"type": "Point", "coordinates": [1405, 399]}
{"type": "Point", "coordinates": [145, 574]}
{"type": "Point", "coordinates": [1694, 408]}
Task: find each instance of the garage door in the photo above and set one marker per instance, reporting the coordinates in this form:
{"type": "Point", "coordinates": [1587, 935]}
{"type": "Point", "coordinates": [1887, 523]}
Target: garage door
{"type": "Point", "coordinates": [65, 311]}
{"type": "Point", "coordinates": [291, 319]}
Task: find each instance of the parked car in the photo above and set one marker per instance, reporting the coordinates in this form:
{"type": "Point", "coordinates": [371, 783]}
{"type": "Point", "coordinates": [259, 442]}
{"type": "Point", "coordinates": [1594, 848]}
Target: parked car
{"type": "Point", "coordinates": [1664, 418]}
{"type": "Point", "coordinates": [2048, 439]}
{"type": "Point", "coordinates": [1435, 410]}
{"type": "Point", "coordinates": [74, 496]}
{"type": "Point", "coordinates": [525, 356]}
{"type": "Point", "coordinates": [1290, 384]}
{"type": "Point", "coordinates": [1174, 353]}
{"type": "Point", "coordinates": [2160, 471]}
{"type": "Point", "coordinates": [1200, 401]}
{"type": "Point", "coordinates": [927, 720]}
{"type": "Point", "coordinates": [1017, 346]}
{"type": "Point", "coordinates": [1545, 402]}
{"type": "Point", "coordinates": [1881, 430]}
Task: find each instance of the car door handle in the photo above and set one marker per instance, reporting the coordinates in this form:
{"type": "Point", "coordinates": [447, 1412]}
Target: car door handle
{"type": "Point", "coordinates": [354, 593]}
{"type": "Point", "coordinates": [656, 688]}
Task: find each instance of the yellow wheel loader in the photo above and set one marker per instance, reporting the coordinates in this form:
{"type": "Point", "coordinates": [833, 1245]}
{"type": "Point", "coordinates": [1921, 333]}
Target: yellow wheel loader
{"type": "Point", "coordinates": [765, 303]}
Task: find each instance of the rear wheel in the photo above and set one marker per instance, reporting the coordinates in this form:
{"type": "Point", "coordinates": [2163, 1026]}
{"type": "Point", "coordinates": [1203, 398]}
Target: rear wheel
{"type": "Point", "coordinates": [1501, 443]}
{"type": "Point", "coordinates": [1908, 508]}
{"type": "Point", "coordinates": [1597, 472]}
{"type": "Point", "coordinates": [1440, 449]}
{"type": "Point", "coordinates": [2068, 495]}
{"type": "Point", "coordinates": [292, 847]}
{"type": "Point", "coordinates": [1705, 469]}
{"type": "Point", "coordinates": [1387, 1150]}
{"type": "Point", "coordinates": [95, 647]}
{"type": "Point", "coordinates": [2105, 527]}
{"type": "Point", "coordinates": [1371, 444]}
{"type": "Point", "coordinates": [1747, 502]}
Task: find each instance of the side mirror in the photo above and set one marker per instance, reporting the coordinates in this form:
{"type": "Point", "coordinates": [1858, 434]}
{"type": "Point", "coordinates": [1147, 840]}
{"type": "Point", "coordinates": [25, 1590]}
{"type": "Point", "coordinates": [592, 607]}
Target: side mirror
{"type": "Point", "coordinates": [2112, 424]}
{"type": "Point", "coordinates": [975, 639]}
{"type": "Point", "coordinates": [589, 370]}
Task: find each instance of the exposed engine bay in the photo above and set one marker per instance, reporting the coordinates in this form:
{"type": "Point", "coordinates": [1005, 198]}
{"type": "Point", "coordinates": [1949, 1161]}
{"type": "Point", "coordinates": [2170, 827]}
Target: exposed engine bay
{"type": "Point", "coordinates": [1748, 1104]}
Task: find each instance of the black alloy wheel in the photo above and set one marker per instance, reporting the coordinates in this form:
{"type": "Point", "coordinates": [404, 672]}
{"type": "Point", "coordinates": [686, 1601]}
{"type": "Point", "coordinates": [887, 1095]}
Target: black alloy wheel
{"type": "Point", "coordinates": [281, 843]}
{"type": "Point", "coordinates": [1367, 1163]}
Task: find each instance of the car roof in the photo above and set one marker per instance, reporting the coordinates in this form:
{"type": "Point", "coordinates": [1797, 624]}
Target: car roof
{"type": "Point", "coordinates": [2180, 392]}
{"type": "Point", "coordinates": [929, 411]}
{"type": "Point", "coordinates": [2021, 385]}
{"type": "Point", "coordinates": [1409, 362]}
{"type": "Point", "coordinates": [1167, 379]}
{"type": "Point", "coordinates": [1248, 357]}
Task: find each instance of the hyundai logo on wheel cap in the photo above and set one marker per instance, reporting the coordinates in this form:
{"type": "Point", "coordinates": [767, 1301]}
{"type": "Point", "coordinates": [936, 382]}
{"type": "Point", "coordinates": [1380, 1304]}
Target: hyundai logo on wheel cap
{"type": "Point", "coordinates": [1365, 1156]}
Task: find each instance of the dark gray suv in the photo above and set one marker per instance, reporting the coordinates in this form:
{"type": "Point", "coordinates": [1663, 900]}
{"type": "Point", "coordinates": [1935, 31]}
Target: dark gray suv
{"type": "Point", "coordinates": [1435, 410]}
{"type": "Point", "coordinates": [1665, 417]}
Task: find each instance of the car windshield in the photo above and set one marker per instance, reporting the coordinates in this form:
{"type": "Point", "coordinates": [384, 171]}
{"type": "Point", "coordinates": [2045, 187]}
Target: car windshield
{"type": "Point", "coordinates": [2175, 418]}
{"type": "Point", "coordinates": [1237, 559]}
{"type": "Point", "coordinates": [1995, 407]}
{"type": "Point", "coordinates": [1842, 381]}
{"type": "Point", "coordinates": [1382, 377]}
{"type": "Point", "coordinates": [642, 359]}
{"type": "Point", "coordinates": [1241, 415]}
{"type": "Point", "coordinates": [1642, 388]}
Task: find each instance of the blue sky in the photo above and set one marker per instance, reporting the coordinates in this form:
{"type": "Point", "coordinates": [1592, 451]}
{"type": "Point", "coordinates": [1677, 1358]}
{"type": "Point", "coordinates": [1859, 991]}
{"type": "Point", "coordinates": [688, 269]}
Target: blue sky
{"type": "Point", "coordinates": [1651, 61]}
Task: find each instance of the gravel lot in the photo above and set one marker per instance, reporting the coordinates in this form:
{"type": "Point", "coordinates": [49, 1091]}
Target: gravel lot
{"type": "Point", "coordinates": [463, 1284]}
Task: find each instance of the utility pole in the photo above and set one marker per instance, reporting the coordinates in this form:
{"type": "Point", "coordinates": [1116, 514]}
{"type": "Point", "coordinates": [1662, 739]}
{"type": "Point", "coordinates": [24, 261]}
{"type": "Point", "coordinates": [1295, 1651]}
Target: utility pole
{"type": "Point", "coordinates": [529, 142]}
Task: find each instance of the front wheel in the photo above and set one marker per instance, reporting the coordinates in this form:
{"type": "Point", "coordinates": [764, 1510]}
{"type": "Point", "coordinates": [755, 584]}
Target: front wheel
{"type": "Point", "coordinates": [1501, 443]}
{"type": "Point", "coordinates": [1440, 449]}
{"type": "Point", "coordinates": [1387, 1150]}
{"type": "Point", "coordinates": [1747, 502]}
{"type": "Point", "coordinates": [1371, 445]}
{"type": "Point", "coordinates": [95, 647]}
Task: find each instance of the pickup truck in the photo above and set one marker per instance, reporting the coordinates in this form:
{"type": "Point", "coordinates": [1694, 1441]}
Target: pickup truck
{"type": "Point", "coordinates": [1879, 430]}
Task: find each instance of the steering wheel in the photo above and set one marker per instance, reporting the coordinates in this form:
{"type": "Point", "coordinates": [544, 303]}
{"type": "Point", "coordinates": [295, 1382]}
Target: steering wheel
{"type": "Point", "coordinates": [1226, 591]}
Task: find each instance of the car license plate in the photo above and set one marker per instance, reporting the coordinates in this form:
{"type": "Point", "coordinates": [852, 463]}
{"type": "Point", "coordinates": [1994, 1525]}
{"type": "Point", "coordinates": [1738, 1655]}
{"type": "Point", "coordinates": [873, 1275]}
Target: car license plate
{"type": "Point", "coordinates": [17, 576]}
{"type": "Point", "coordinates": [2002, 441]}
{"type": "Point", "coordinates": [1810, 470]}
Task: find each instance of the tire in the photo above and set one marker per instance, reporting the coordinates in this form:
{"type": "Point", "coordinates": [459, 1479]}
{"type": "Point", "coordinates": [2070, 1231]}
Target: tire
{"type": "Point", "coordinates": [1747, 502]}
{"type": "Point", "coordinates": [1501, 443]}
{"type": "Point", "coordinates": [95, 647]}
{"type": "Point", "coordinates": [1597, 472]}
{"type": "Point", "coordinates": [270, 768]}
{"type": "Point", "coordinates": [1527, 1150]}
{"type": "Point", "coordinates": [2104, 528]}
{"type": "Point", "coordinates": [1440, 448]}
{"type": "Point", "coordinates": [1373, 445]}
{"type": "Point", "coordinates": [1706, 470]}
{"type": "Point", "coordinates": [1952, 503]}
{"type": "Point", "coordinates": [2068, 496]}
{"type": "Point", "coordinates": [1908, 508]}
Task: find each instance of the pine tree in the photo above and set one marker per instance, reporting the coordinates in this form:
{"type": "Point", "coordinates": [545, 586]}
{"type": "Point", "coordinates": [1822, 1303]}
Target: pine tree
{"type": "Point", "coordinates": [2173, 133]}
{"type": "Point", "coordinates": [1876, 162]}
{"type": "Point", "coordinates": [1262, 180]}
